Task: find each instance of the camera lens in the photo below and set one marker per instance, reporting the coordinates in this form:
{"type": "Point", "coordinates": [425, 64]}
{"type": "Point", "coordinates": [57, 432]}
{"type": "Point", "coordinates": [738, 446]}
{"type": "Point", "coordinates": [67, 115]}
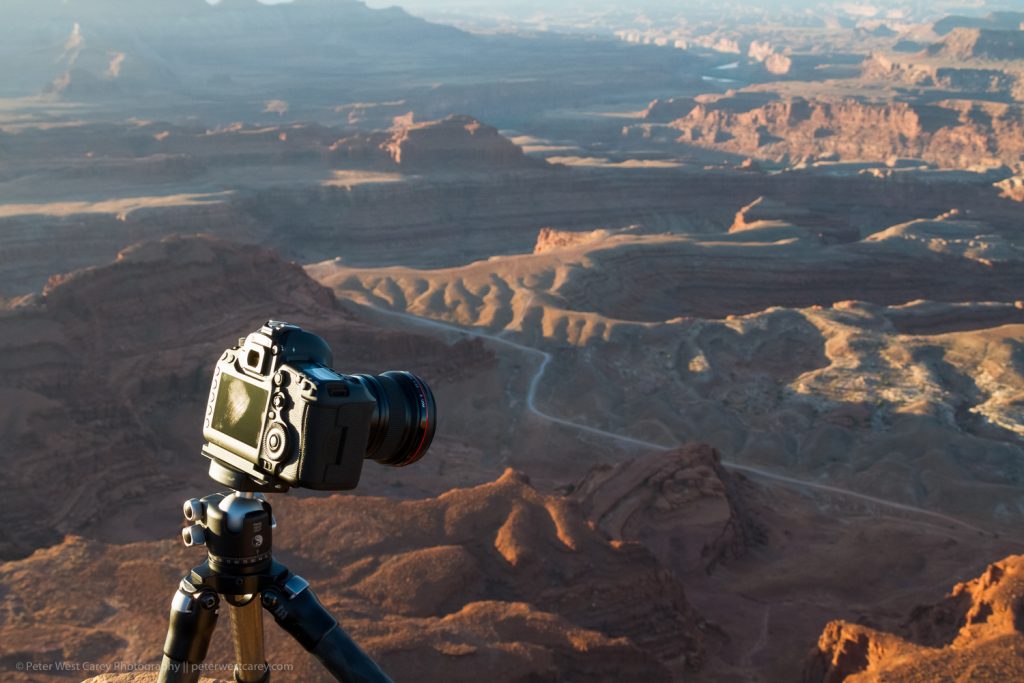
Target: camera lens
{"type": "Point", "coordinates": [404, 421]}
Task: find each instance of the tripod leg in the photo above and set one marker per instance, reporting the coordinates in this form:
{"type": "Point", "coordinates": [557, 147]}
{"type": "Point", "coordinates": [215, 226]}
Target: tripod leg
{"type": "Point", "coordinates": [247, 634]}
{"type": "Point", "coordinates": [190, 626]}
{"type": "Point", "coordinates": [296, 609]}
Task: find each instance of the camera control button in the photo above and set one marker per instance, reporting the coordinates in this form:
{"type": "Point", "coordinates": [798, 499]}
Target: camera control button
{"type": "Point", "coordinates": [277, 442]}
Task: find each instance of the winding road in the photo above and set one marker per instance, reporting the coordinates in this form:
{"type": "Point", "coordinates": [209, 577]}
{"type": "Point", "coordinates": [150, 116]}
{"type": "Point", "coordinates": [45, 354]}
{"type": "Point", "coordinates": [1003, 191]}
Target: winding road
{"type": "Point", "coordinates": [545, 359]}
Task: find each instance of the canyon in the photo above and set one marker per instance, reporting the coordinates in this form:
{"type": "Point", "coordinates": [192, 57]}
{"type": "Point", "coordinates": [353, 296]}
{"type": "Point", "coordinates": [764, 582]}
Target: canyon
{"type": "Point", "coordinates": [722, 312]}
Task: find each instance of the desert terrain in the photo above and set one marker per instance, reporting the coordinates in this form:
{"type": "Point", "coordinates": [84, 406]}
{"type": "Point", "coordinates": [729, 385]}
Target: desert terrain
{"type": "Point", "coordinates": [722, 308]}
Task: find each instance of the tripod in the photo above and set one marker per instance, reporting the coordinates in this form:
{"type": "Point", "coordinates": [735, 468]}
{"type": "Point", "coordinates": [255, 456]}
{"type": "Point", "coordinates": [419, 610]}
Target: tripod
{"type": "Point", "coordinates": [237, 528]}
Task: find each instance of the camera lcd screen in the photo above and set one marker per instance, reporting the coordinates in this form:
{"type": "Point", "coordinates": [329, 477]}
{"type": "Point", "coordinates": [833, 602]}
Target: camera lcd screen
{"type": "Point", "coordinates": [238, 412]}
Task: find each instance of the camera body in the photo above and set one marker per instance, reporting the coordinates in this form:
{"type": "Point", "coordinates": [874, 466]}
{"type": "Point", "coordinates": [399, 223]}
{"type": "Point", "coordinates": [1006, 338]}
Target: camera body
{"type": "Point", "coordinates": [281, 417]}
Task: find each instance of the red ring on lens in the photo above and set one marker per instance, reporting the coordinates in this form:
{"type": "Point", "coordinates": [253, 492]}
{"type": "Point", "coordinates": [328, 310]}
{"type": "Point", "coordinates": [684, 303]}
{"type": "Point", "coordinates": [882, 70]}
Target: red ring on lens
{"type": "Point", "coordinates": [424, 421]}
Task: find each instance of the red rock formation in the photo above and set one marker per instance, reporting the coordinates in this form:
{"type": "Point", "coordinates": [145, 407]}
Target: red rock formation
{"type": "Point", "coordinates": [774, 62]}
{"type": "Point", "coordinates": [952, 134]}
{"type": "Point", "coordinates": [994, 20]}
{"type": "Point", "coordinates": [968, 76]}
{"type": "Point", "coordinates": [771, 219]}
{"type": "Point", "coordinates": [977, 43]}
{"type": "Point", "coordinates": [457, 142]}
{"type": "Point", "coordinates": [1012, 188]}
{"type": "Point", "coordinates": [682, 505]}
{"type": "Point", "coordinates": [926, 317]}
{"type": "Point", "coordinates": [638, 280]}
{"type": "Point", "coordinates": [497, 582]}
{"type": "Point", "coordinates": [778, 64]}
{"type": "Point", "coordinates": [668, 109]}
{"type": "Point", "coordinates": [976, 633]}
{"type": "Point", "coordinates": [549, 239]}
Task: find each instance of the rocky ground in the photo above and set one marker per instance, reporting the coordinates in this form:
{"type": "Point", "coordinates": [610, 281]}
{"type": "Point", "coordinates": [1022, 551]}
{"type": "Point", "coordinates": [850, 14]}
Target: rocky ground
{"type": "Point", "coordinates": [926, 380]}
{"type": "Point", "coordinates": [498, 580]}
{"type": "Point", "coordinates": [972, 634]}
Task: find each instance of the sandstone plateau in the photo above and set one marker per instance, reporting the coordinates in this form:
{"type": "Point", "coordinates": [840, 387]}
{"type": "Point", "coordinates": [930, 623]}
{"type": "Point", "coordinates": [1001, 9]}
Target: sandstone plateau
{"type": "Point", "coordinates": [899, 378]}
{"type": "Point", "coordinates": [978, 43]}
{"type": "Point", "coordinates": [457, 142]}
{"type": "Point", "coordinates": [947, 134]}
{"type": "Point", "coordinates": [1004, 20]}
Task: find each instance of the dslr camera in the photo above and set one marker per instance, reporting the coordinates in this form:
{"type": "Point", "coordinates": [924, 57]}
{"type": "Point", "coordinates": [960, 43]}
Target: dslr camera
{"type": "Point", "coordinates": [280, 416]}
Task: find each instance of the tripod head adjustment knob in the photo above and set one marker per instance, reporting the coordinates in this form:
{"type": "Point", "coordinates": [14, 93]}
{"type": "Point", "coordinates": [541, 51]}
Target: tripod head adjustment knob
{"type": "Point", "coordinates": [194, 510]}
{"type": "Point", "coordinates": [193, 535]}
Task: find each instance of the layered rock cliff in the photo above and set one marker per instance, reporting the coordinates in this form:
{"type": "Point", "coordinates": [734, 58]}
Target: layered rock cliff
{"type": "Point", "coordinates": [770, 220]}
{"type": "Point", "coordinates": [980, 43]}
{"type": "Point", "coordinates": [949, 134]}
{"type": "Point", "coordinates": [975, 633]}
{"type": "Point", "coordinates": [456, 142]}
{"type": "Point", "coordinates": [664, 110]}
{"type": "Point", "coordinates": [971, 77]}
{"type": "Point", "coordinates": [993, 21]}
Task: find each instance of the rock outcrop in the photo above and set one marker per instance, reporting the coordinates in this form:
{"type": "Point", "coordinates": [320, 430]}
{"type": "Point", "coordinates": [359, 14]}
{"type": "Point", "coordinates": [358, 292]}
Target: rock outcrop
{"type": "Point", "coordinates": [949, 134]}
{"type": "Point", "coordinates": [993, 21]}
{"type": "Point", "coordinates": [550, 239]}
{"type": "Point", "coordinates": [778, 64]}
{"type": "Point", "coordinates": [769, 220]}
{"type": "Point", "coordinates": [1012, 188]}
{"type": "Point", "coordinates": [774, 62]}
{"type": "Point", "coordinates": [953, 235]}
{"type": "Point", "coordinates": [630, 279]}
{"type": "Point", "coordinates": [497, 582]}
{"type": "Point", "coordinates": [683, 505]}
{"type": "Point", "coordinates": [668, 109]}
{"type": "Point", "coordinates": [978, 43]}
{"type": "Point", "coordinates": [966, 76]}
{"type": "Point", "coordinates": [456, 143]}
{"type": "Point", "coordinates": [976, 633]}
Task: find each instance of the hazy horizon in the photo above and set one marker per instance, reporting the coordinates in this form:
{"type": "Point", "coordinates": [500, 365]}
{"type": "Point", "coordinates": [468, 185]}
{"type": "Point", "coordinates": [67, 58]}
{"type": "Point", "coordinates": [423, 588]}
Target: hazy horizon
{"type": "Point", "coordinates": [521, 9]}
